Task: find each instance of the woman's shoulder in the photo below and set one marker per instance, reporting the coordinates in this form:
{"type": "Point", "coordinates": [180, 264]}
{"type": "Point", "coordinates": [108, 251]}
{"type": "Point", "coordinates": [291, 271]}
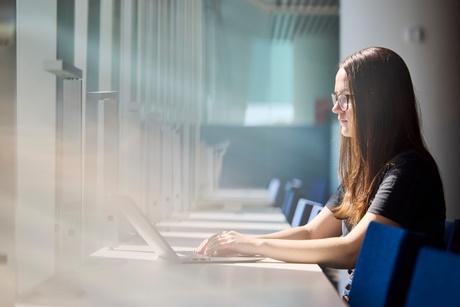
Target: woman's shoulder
{"type": "Point", "coordinates": [410, 158]}
{"type": "Point", "coordinates": [415, 163]}
{"type": "Point", "coordinates": [409, 154]}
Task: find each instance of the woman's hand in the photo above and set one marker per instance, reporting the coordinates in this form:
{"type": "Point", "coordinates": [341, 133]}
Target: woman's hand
{"type": "Point", "coordinates": [228, 243]}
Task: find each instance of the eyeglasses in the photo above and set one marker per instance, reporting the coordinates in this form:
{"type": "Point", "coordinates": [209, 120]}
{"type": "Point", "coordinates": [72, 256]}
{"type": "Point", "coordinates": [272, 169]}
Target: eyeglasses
{"type": "Point", "coordinates": [342, 99]}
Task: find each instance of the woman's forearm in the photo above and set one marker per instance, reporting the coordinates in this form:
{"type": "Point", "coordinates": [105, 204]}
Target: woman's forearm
{"type": "Point", "coordinates": [295, 233]}
{"type": "Point", "coordinates": [333, 252]}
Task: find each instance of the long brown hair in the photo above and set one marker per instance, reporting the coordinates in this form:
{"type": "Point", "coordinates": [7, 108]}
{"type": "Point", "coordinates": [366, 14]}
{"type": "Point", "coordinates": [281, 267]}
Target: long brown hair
{"type": "Point", "coordinates": [386, 122]}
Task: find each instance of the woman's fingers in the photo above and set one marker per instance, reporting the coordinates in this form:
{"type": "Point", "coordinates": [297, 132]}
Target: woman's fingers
{"type": "Point", "coordinates": [213, 244]}
{"type": "Point", "coordinates": [201, 249]}
{"type": "Point", "coordinates": [222, 244]}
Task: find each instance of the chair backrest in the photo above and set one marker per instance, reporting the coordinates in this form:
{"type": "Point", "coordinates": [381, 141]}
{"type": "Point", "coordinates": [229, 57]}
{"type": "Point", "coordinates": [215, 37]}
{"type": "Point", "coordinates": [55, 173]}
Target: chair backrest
{"type": "Point", "coordinates": [384, 266]}
{"type": "Point", "coordinates": [316, 190]}
{"type": "Point", "coordinates": [291, 197]}
{"type": "Point", "coordinates": [285, 203]}
{"type": "Point", "coordinates": [274, 187]}
{"type": "Point", "coordinates": [435, 279]}
{"type": "Point", "coordinates": [305, 211]}
{"type": "Point", "coordinates": [452, 236]}
{"type": "Point", "coordinates": [279, 200]}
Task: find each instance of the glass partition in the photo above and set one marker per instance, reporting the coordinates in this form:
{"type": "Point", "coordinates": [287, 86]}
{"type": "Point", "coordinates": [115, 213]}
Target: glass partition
{"type": "Point", "coordinates": [270, 62]}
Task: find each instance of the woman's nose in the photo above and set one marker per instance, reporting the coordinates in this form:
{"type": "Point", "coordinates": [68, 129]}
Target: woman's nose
{"type": "Point", "coordinates": [336, 109]}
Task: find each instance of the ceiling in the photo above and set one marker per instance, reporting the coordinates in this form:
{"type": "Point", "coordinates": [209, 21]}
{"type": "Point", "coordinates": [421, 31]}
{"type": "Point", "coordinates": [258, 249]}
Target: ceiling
{"type": "Point", "coordinates": [279, 19]}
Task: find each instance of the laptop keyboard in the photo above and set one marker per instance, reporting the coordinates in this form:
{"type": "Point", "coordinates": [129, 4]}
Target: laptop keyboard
{"type": "Point", "coordinates": [191, 255]}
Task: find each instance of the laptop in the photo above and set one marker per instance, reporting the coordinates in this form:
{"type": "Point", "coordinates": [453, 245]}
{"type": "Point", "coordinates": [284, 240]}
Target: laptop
{"type": "Point", "coordinates": [158, 243]}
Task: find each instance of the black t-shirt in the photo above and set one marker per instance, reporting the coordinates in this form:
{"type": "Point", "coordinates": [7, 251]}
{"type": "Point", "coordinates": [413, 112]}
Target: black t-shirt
{"type": "Point", "coordinates": [410, 193]}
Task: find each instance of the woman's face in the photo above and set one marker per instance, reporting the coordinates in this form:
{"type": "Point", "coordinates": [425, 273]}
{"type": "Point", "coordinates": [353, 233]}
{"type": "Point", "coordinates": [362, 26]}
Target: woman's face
{"type": "Point", "coordinates": [345, 117]}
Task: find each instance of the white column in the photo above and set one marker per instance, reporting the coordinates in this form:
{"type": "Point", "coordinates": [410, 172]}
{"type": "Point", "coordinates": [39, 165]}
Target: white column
{"type": "Point", "coordinates": [36, 142]}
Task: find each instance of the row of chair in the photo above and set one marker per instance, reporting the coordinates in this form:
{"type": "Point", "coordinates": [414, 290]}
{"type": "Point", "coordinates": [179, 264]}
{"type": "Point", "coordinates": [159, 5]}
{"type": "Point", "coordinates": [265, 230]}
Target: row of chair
{"type": "Point", "coordinates": [397, 267]}
{"type": "Point", "coordinates": [296, 201]}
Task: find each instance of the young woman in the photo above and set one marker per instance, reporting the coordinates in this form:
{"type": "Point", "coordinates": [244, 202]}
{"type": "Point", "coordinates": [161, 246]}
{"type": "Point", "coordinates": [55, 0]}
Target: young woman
{"type": "Point", "coordinates": [387, 174]}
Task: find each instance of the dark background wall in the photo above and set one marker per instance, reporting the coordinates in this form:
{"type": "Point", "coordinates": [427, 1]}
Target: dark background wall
{"type": "Point", "coordinates": [257, 154]}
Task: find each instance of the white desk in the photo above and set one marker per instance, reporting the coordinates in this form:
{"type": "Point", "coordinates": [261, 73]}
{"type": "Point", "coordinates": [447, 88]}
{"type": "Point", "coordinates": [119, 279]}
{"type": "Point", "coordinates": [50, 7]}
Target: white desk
{"type": "Point", "coordinates": [139, 280]}
{"type": "Point", "coordinates": [201, 226]}
{"type": "Point", "coordinates": [235, 199]}
{"type": "Point", "coordinates": [239, 194]}
{"type": "Point", "coordinates": [214, 227]}
{"type": "Point", "coordinates": [265, 215]}
{"type": "Point", "coordinates": [158, 283]}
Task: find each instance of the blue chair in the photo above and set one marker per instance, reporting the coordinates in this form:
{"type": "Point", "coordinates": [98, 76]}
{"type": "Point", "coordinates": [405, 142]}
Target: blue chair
{"type": "Point", "coordinates": [291, 197]}
{"type": "Point", "coordinates": [452, 236]}
{"type": "Point", "coordinates": [384, 266]}
{"type": "Point", "coordinates": [316, 190]}
{"type": "Point", "coordinates": [435, 279]}
{"type": "Point", "coordinates": [305, 211]}
{"type": "Point", "coordinates": [274, 188]}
